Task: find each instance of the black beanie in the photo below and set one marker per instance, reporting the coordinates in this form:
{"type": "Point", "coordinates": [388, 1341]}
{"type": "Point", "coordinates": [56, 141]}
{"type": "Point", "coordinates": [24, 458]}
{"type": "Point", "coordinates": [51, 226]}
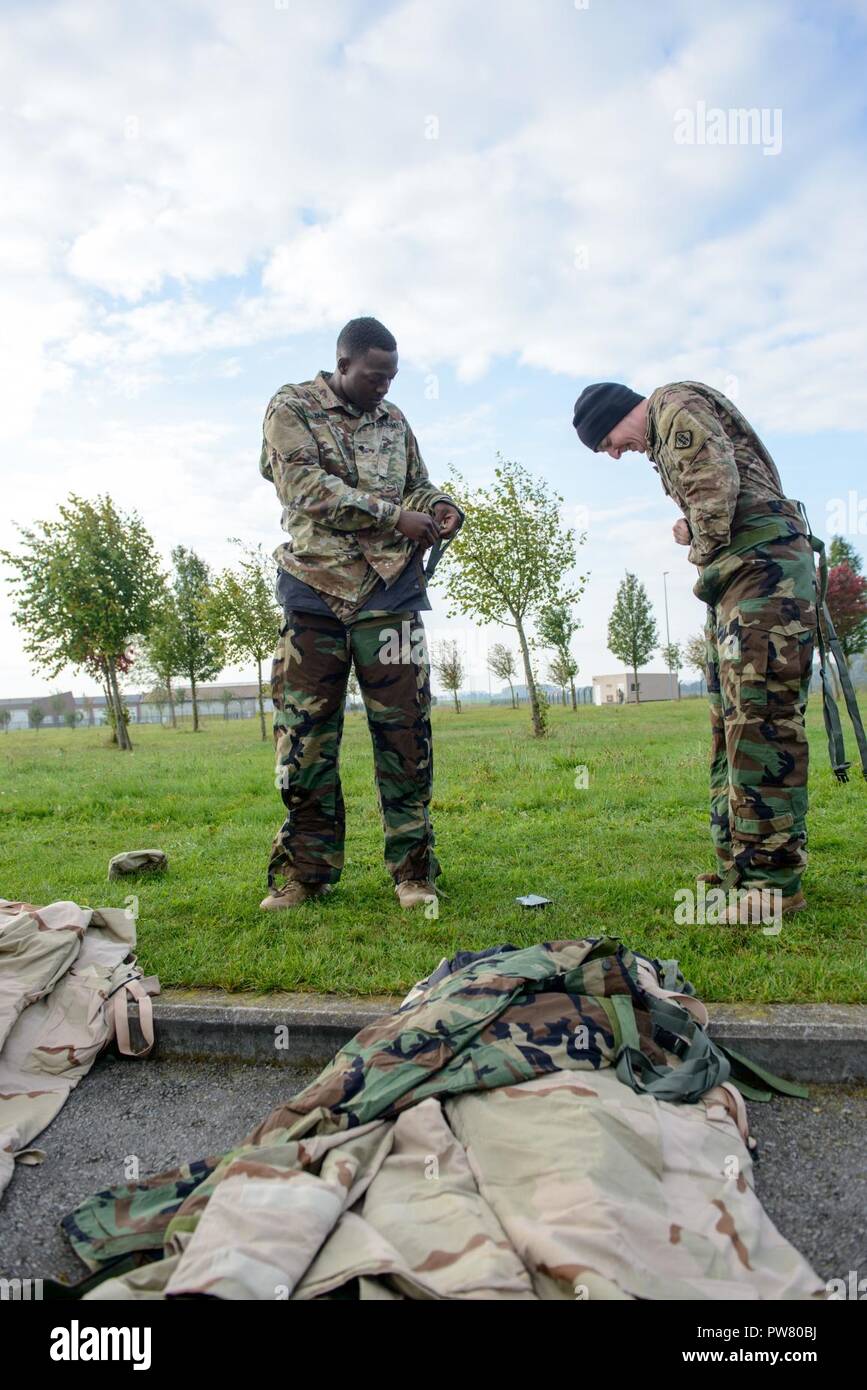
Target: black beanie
{"type": "Point", "coordinates": [599, 408]}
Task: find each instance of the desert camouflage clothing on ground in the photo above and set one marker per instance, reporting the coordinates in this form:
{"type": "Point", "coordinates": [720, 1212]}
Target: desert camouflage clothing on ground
{"type": "Point", "coordinates": [519, 1129]}
{"type": "Point", "coordinates": [757, 575]}
{"type": "Point", "coordinates": [312, 664]}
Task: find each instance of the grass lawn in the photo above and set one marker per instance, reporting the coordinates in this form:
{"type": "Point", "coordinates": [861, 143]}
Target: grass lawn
{"type": "Point", "coordinates": [509, 820]}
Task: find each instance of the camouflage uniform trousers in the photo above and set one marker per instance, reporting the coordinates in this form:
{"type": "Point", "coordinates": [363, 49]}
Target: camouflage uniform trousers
{"type": "Point", "coordinates": [760, 635]}
{"type": "Point", "coordinates": [311, 667]}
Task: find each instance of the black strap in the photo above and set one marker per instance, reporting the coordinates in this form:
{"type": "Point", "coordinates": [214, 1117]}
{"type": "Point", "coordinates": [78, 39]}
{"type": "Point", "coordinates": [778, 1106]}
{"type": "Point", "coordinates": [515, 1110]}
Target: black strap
{"type": "Point", "coordinates": [828, 639]}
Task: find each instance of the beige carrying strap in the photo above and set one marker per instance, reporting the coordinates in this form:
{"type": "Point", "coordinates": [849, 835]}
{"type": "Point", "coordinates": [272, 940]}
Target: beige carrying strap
{"type": "Point", "coordinates": [120, 1018]}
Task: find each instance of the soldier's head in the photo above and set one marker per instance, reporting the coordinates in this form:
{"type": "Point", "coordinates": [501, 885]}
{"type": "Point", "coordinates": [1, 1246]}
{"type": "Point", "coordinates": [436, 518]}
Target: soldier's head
{"type": "Point", "coordinates": [366, 362]}
{"type": "Point", "coordinates": [611, 419]}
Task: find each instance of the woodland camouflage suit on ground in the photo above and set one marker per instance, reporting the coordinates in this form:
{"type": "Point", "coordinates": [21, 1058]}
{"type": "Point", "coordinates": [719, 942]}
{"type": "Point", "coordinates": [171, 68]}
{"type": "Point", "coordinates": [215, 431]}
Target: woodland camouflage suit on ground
{"type": "Point", "coordinates": [757, 576]}
{"type": "Point", "coordinates": [343, 475]}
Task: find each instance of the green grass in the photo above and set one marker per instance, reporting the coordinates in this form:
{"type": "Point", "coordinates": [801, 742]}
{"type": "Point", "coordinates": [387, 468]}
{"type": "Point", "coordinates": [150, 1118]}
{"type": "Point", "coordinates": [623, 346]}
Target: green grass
{"type": "Point", "coordinates": [509, 820]}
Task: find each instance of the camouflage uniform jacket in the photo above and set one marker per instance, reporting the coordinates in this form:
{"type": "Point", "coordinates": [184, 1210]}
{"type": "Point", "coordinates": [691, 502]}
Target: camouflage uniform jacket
{"type": "Point", "coordinates": [343, 475]}
{"type": "Point", "coordinates": [707, 456]}
{"type": "Point", "coordinates": [502, 1077]}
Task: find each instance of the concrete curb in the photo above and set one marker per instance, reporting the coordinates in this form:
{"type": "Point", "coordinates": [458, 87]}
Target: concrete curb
{"type": "Point", "coordinates": [805, 1042]}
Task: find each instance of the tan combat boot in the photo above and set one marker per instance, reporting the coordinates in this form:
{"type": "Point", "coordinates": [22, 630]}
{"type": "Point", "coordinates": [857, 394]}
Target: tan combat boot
{"type": "Point", "coordinates": [412, 892]}
{"type": "Point", "coordinates": [751, 905]}
{"type": "Point", "coordinates": [293, 894]}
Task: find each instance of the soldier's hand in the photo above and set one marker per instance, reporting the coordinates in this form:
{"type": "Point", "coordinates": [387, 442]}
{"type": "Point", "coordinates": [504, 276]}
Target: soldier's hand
{"type": "Point", "coordinates": [681, 532]}
{"type": "Point", "coordinates": [419, 527]}
{"type": "Point", "coordinates": [448, 519]}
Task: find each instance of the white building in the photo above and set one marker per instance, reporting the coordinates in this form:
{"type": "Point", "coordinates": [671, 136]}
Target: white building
{"type": "Point", "coordinates": [620, 690]}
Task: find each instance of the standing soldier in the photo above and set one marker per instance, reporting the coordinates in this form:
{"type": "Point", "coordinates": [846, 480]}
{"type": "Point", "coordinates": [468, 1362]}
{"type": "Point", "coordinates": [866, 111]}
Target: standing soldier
{"type": "Point", "coordinates": [757, 575]}
{"type": "Point", "coordinates": [361, 511]}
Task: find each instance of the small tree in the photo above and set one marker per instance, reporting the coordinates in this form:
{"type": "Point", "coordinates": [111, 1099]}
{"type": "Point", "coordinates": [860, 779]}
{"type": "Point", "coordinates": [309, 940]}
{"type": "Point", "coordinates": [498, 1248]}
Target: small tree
{"type": "Point", "coordinates": [35, 717]}
{"type": "Point", "coordinates": [847, 604]}
{"type": "Point", "coordinates": [696, 656]}
{"type": "Point", "coordinates": [181, 698]}
{"type": "Point", "coordinates": [449, 667]}
{"type": "Point", "coordinates": [556, 629]}
{"type": "Point", "coordinates": [243, 615]}
{"type": "Point", "coordinates": [58, 706]}
{"type": "Point", "coordinates": [501, 662]}
{"type": "Point", "coordinates": [510, 557]}
{"type": "Point", "coordinates": [352, 689]}
{"type": "Point", "coordinates": [673, 659]}
{"type": "Point", "coordinates": [842, 552]}
{"type": "Point", "coordinates": [202, 651]}
{"type": "Point", "coordinates": [162, 652]}
{"type": "Point", "coordinates": [632, 634]}
{"type": "Point", "coordinates": [71, 717]}
{"type": "Point", "coordinates": [227, 697]}
{"type": "Point", "coordinates": [88, 708]}
{"type": "Point", "coordinates": [5, 720]}
{"type": "Point", "coordinates": [561, 671]}
{"type": "Point", "coordinates": [84, 585]}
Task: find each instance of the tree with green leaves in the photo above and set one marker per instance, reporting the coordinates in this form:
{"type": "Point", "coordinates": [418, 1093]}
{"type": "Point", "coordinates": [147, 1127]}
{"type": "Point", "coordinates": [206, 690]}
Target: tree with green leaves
{"type": "Point", "coordinates": [5, 720]}
{"type": "Point", "coordinates": [84, 586]}
{"type": "Point", "coordinates": [202, 649]}
{"type": "Point", "coordinates": [501, 663]}
{"type": "Point", "coordinates": [696, 656]}
{"type": "Point", "coordinates": [556, 628]}
{"type": "Point", "coordinates": [228, 697]}
{"type": "Point", "coordinates": [181, 698]}
{"type": "Point", "coordinates": [353, 689]}
{"type": "Point", "coordinates": [561, 671]}
{"type": "Point", "coordinates": [161, 656]}
{"type": "Point", "coordinates": [842, 552]}
{"type": "Point", "coordinates": [450, 669]}
{"type": "Point", "coordinates": [511, 558]}
{"type": "Point", "coordinates": [243, 615]}
{"type": "Point", "coordinates": [36, 717]}
{"type": "Point", "coordinates": [632, 634]}
{"type": "Point", "coordinates": [673, 658]}
{"type": "Point", "coordinates": [57, 705]}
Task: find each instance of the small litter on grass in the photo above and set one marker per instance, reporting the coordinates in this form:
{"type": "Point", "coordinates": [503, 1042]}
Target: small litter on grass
{"type": "Point", "coordinates": [533, 900]}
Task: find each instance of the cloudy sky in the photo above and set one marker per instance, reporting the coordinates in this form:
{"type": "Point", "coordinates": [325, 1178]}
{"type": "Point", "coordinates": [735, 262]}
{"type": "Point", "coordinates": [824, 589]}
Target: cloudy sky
{"type": "Point", "coordinates": [532, 194]}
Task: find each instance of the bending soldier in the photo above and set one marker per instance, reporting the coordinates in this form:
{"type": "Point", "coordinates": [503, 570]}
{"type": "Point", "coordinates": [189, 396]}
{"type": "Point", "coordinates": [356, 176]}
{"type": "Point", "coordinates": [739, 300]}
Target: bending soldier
{"type": "Point", "coordinates": [757, 575]}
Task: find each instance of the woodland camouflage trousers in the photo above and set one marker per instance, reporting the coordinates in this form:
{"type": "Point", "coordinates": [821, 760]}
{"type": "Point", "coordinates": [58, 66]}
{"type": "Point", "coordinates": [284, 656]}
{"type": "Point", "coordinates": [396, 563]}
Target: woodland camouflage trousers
{"type": "Point", "coordinates": [309, 675]}
{"type": "Point", "coordinates": [760, 631]}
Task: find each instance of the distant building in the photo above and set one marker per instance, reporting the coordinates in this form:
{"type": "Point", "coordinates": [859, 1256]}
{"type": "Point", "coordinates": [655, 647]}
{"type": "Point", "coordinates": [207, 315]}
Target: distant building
{"type": "Point", "coordinates": [237, 700]}
{"type": "Point", "coordinates": [54, 707]}
{"type": "Point", "coordinates": [620, 690]}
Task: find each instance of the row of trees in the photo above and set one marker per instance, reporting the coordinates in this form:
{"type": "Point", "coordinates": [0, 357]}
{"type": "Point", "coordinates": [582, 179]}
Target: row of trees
{"type": "Point", "coordinates": [90, 592]}
{"type": "Point", "coordinates": [633, 636]}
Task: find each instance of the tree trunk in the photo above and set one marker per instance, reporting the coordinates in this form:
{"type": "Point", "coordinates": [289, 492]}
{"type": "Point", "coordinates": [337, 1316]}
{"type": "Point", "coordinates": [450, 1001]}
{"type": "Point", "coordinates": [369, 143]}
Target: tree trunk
{"type": "Point", "coordinates": [195, 701]}
{"type": "Point", "coordinates": [574, 696]}
{"type": "Point", "coordinates": [124, 742]}
{"type": "Point", "coordinates": [512, 692]}
{"type": "Point", "coordinates": [528, 675]}
{"type": "Point", "coordinates": [261, 699]}
{"type": "Point", "coordinates": [678, 687]}
{"type": "Point", "coordinates": [171, 695]}
{"type": "Point", "coordinates": [457, 705]}
{"type": "Point", "coordinates": [637, 692]}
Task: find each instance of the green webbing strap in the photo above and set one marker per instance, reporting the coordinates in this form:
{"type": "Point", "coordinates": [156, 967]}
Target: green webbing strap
{"type": "Point", "coordinates": [704, 1063]}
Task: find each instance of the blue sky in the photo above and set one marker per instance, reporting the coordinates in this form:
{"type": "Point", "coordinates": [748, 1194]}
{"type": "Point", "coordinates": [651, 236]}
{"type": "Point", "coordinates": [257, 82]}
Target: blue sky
{"type": "Point", "coordinates": [199, 195]}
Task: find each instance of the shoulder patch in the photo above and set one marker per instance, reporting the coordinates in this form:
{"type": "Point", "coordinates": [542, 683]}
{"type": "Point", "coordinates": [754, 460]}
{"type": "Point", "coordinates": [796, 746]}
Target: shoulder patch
{"type": "Point", "coordinates": [682, 439]}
